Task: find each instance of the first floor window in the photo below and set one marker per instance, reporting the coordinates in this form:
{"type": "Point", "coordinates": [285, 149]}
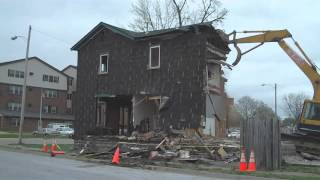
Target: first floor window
{"type": "Point", "coordinates": [14, 122]}
{"type": "Point", "coordinates": [53, 109]}
{"type": "Point", "coordinates": [69, 96]}
{"type": "Point", "coordinates": [15, 90]}
{"type": "Point", "coordinates": [48, 93]}
{"type": "Point", "coordinates": [13, 106]}
{"type": "Point", "coordinates": [103, 68]}
{"type": "Point", "coordinates": [49, 109]}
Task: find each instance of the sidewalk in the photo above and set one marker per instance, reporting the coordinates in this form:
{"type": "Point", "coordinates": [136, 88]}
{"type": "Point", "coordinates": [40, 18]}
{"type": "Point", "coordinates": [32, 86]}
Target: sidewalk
{"type": "Point", "coordinates": [8, 141]}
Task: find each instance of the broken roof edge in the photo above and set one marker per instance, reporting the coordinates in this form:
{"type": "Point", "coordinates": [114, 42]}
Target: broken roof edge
{"type": "Point", "coordinates": [138, 35]}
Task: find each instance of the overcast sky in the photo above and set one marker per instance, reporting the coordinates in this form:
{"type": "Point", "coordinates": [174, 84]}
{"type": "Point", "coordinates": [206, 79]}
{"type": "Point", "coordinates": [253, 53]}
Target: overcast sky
{"type": "Point", "coordinates": [59, 24]}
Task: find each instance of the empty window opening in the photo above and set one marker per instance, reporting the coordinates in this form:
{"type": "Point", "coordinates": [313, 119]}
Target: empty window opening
{"type": "Point", "coordinates": [154, 57]}
{"type": "Point", "coordinates": [104, 63]}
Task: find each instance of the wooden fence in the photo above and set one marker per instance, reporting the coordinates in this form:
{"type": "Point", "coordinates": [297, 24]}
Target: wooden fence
{"type": "Point", "coordinates": [263, 136]}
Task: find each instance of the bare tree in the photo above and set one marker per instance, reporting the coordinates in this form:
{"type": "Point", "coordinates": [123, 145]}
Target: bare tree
{"type": "Point", "coordinates": [247, 107]}
{"type": "Point", "coordinates": [250, 108]}
{"type": "Point", "coordinates": [162, 14]}
{"type": "Point", "coordinates": [293, 104]}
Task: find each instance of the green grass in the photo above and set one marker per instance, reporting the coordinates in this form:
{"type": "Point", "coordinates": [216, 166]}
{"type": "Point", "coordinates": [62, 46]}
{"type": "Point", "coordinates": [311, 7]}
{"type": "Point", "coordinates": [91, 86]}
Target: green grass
{"type": "Point", "coordinates": [14, 135]}
{"type": "Point", "coordinates": [64, 147]}
{"type": "Point", "coordinates": [301, 168]}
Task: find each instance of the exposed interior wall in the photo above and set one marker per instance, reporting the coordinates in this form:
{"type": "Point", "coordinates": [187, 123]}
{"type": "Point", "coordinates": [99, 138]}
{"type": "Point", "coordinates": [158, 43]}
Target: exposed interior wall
{"type": "Point", "coordinates": [215, 115]}
{"type": "Point", "coordinates": [216, 107]}
{"type": "Point", "coordinates": [145, 113]}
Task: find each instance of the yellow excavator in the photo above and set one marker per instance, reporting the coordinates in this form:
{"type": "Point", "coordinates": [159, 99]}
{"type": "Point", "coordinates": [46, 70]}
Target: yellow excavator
{"type": "Point", "coordinates": [309, 121]}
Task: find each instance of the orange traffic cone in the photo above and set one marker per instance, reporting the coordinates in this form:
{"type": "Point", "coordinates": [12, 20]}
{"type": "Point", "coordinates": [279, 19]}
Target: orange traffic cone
{"type": "Point", "coordinates": [243, 163]}
{"type": "Point", "coordinates": [53, 145]}
{"type": "Point", "coordinates": [44, 147]}
{"type": "Point", "coordinates": [55, 149]}
{"type": "Point", "coordinates": [252, 163]}
{"type": "Point", "coordinates": [116, 158]}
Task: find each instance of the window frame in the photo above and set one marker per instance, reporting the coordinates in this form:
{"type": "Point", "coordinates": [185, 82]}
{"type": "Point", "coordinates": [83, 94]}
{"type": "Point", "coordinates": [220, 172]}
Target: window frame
{"type": "Point", "coordinates": [51, 93]}
{"type": "Point", "coordinates": [14, 106]}
{"type": "Point", "coordinates": [100, 63]}
{"type": "Point", "coordinates": [150, 56]}
{"type": "Point", "coordinates": [45, 77]}
{"type": "Point", "coordinates": [15, 90]}
{"type": "Point", "coordinates": [11, 73]}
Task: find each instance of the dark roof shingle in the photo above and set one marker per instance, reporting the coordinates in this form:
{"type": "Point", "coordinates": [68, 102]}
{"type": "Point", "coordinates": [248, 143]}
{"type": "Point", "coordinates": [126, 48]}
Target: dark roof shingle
{"type": "Point", "coordinates": [135, 35]}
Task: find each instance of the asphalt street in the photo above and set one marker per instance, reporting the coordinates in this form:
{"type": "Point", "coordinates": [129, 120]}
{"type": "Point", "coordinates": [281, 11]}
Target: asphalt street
{"type": "Point", "coordinates": [26, 166]}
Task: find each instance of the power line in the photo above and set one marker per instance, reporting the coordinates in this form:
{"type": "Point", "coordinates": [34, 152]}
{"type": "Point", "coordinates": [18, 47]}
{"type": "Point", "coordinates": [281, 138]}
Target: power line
{"type": "Point", "coordinates": [51, 36]}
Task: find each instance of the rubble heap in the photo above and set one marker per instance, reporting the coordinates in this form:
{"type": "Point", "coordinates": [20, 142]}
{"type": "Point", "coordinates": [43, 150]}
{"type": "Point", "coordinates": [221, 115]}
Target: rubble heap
{"type": "Point", "coordinates": [152, 148]}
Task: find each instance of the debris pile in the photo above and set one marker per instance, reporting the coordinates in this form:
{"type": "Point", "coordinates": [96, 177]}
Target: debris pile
{"type": "Point", "coordinates": [299, 154]}
{"type": "Point", "coordinates": [154, 147]}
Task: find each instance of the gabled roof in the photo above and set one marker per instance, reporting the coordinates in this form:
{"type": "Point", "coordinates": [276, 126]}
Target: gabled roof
{"type": "Point", "coordinates": [69, 66]}
{"type": "Point", "coordinates": [36, 58]}
{"type": "Point", "coordinates": [134, 35]}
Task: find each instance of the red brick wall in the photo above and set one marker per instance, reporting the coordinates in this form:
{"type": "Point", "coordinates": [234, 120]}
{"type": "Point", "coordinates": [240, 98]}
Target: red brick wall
{"type": "Point", "coordinates": [32, 105]}
{"type": "Point", "coordinates": [33, 99]}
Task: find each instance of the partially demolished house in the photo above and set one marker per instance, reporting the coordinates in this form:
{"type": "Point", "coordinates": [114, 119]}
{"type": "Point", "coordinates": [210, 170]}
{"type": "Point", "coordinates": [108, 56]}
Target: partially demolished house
{"type": "Point", "coordinates": [147, 81]}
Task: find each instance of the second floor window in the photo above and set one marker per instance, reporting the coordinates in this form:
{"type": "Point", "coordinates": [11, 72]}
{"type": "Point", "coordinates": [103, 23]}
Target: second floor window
{"type": "Point", "coordinates": [154, 57]}
{"type": "Point", "coordinates": [14, 106]}
{"type": "Point", "coordinates": [48, 93]}
{"type": "Point", "coordinates": [15, 73]}
{"type": "Point", "coordinates": [104, 64]}
{"type": "Point", "coordinates": [70, 81]}
{"type": "Point", "coordinates": [15, 90]}
{"type": "Point", "coordinates": [50, 78]}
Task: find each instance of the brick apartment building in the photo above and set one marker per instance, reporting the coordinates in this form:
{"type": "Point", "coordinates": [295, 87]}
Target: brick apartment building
{"type": "Point", "coordinates": [57, 89]}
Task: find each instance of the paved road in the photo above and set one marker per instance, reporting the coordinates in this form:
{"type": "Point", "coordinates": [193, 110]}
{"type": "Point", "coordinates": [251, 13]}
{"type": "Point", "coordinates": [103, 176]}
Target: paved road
{"type": "Point", "coordinates": [17, 166]}
{"type": "Point", "coordinates": [6, 141]}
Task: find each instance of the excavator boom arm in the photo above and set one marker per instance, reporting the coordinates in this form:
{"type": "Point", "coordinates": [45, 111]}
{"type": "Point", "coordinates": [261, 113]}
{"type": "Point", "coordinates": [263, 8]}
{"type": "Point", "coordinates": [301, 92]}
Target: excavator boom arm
{"type": "Point", "coordinates": [266, 36]}
{"type": "Point", "coordinates": [310, 117]}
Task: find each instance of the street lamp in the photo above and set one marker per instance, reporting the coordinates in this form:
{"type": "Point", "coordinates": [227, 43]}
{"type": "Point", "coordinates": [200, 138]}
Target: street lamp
{"type": "Point", "coordinates": [277, 120]}
{"type": "Point", "coordinates": [23, 101]}
{"type": "Point", "coordinates": [275, 96]}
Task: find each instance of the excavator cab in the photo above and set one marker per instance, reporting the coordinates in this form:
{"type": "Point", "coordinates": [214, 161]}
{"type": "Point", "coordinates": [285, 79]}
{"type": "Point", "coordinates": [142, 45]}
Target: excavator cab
{"type": "Point", "coordinates": [310, 117]}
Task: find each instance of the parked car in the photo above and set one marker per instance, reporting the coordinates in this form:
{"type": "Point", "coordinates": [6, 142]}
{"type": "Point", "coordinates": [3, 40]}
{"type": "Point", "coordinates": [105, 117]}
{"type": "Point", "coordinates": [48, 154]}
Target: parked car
{"type": "Point", "coordinates": [66, 131]}
{"type": "Point", "coordinates": [45, 132]}
{"type": "Point", "coordinates": [234, 133]}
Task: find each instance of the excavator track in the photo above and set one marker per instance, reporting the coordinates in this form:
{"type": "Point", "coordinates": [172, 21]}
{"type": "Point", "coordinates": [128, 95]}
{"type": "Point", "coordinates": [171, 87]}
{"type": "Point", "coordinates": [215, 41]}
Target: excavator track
{"type": "Point", "coordinates": [303, 142]}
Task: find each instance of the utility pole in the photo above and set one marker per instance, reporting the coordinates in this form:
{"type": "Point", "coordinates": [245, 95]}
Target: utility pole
{"type": "Point", "coordinates": [24, 87]}
{"type": "Point", "coordinates": [40, 115]}
{"type": "Point", "coordinates": [275, 100]}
